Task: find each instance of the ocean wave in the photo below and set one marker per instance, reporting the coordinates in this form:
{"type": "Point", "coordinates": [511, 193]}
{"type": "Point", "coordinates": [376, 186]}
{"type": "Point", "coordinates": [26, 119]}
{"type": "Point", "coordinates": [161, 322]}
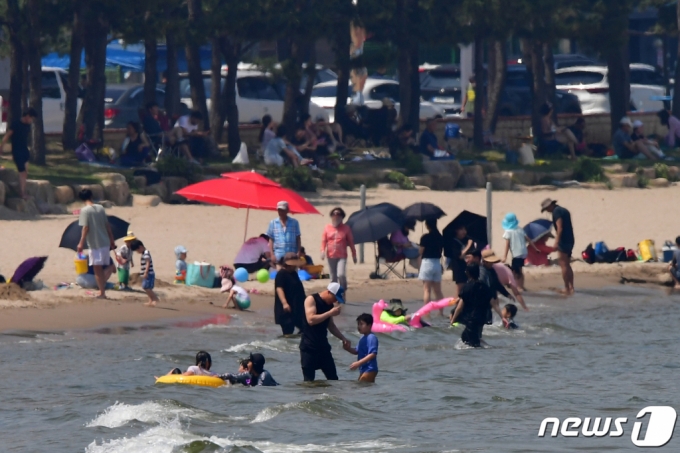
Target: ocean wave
{"type": "Point", "coordinates": [325, 406]}
{"type": "Point", "coordinates": [278, 345]}
{"type": "Point", "coordinates": [120, 414]}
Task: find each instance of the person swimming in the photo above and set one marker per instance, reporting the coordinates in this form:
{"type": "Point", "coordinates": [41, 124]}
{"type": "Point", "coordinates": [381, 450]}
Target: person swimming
{"type": "Point", "coordinates": [508, 314]}
{"type": "Point", "coordinates": [251, 373]}
{"type": "Point", "coordinates": [395, 313]}
{"type": "Point", "coordinates": [202, 367]}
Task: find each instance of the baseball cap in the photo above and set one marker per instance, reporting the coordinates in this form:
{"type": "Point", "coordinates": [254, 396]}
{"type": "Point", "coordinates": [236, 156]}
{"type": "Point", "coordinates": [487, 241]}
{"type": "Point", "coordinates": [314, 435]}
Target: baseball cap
{"type": "Point", "coordinates": [338, 291]}
{"type": "Point", "coordinates": [490, 257]}
{"type": "Point", "coordinates": [625, 120]}
{"type": "Point", "coordinates": [258, 362]}
{"type": "Point", "coordinates": [282, 205]}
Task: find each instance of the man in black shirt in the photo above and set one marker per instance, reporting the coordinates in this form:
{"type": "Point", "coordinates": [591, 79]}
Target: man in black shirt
{"type": "Point", "coordinates": [474, 304]}
{"type": "Point", "coordinates": [564, 241]}
{"type": "Point", "coordinates": [19, 132]}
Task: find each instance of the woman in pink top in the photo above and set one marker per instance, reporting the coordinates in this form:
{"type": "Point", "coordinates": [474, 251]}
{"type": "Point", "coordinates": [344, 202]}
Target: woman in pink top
{"type": "Point", "coordinates": [335, 239]}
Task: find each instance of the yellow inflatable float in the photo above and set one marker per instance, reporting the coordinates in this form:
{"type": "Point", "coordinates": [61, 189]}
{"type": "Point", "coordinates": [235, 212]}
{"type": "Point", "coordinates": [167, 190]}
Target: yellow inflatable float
{"type": "Point", "coordinates": [203, 381]}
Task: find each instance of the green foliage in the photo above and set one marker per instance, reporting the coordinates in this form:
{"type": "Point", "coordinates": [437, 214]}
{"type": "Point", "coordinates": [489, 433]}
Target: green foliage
{"type": "Point", "coordinates": [643, 181]}
{"type": "Point", "coordinates": [661, 171]}
{"type": "Point", "coordinates": [176, 166]}
{"type": "Point", "coordinates": [588, 170]}
{"type": "Point", "coordinates": [298, 179]}
{"type": "Point", "coordinates": [411, 162]}
{"type": "Point", "coordinates": [401, 179]}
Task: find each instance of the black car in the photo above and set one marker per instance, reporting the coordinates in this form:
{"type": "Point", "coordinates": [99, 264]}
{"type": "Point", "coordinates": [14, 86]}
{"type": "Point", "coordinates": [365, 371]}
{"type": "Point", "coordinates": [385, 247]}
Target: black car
{"type": "Point", "coordinates": [442, 85]}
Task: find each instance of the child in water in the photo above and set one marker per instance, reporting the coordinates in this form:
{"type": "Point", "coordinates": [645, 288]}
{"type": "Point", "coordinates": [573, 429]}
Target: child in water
{"type": "Point", "coordinates": [366, 350]}
{"type": "Point", "coordinates": [395, 313]}
{"type": "Point", "coordinates": [508, 316]}
{"type": "Point", "coordinates": [251, 373]}
{"type": "Point", "coordinates": [202, 367]}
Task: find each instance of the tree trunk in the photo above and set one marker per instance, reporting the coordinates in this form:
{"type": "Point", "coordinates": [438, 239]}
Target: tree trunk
{"type": "Point", "coordinates": [150, 69]}
{"type": "Point", "coordinates": [310, 71]}
{"type": "Point", "coordinates": [194, 59]}
{"type": "Point", "coordinates": [537, 83]}
{"type": "Point", "coordinates": [25, 91]}
{"type": "Point", "coordinates": [35, 82]}
{"type": "Point", "coordinates": [341, 48]}
{"type": "Point", "coordinates": [172, 95]}
{"type": "Point", "coordinates": [216, 107]}
{"type": "Point", "coordinates": [676, 89]}
{"type": "Point", "coordinates": [549, 71]}
{"type": "Point", "coordinates": [478, 121]}
{"type": "Point", "coordinates": [232, 55]}
{"type": "Point", "coordinates": [619, 84]}
{"type": "Point", "coordinates": [17, 57]}
{"type": "Point", "coordinates": [68, 137]}
{"type": "Point", "coordinates": [497, 68]}
{"type": "Point", "coordinates": [292, 69]}
{"type": "Point", "coordinates": [413, 116]}
{"type": "Point", "coordinates": [405, 68]}
{"type": "Point", "coordinates": [92, 112]}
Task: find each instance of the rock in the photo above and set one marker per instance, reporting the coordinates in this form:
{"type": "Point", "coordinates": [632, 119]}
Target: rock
{"type": "Point", "coordinates": [540, 188]}
{"type": "Point", "coordinates": [674, 172]}
{"type": "Point", "coordinates": [140, 182]}
{"type": "Point", "coordinates": [63, 195]}
{"type": "Point", "coordinates": [117, 192]}
{"type": "Point", "coordinates": [318, 183]}
{"type": "Point", "coordinates": [388, 186]}
{"type": "Point", "coordinates": [108, 204]}
{"type": "Point", "coordinates": [500, 180]}
{"type": "Point", "coordinates": [174, 183]}
{"type": "Point", "coordinates": [146, 200]}
{"type": "Point", "coordinates": [649, 173]}
{"type": "Point", "coordinates": [659, 182]}
{"type": "Point", "coordinates": [616, 168]}
{"type": "Point", "coordinates": [11, 179]}
{"type": "Point", "coordinates": [113, 177]}
{"type": "Point", "coordinates": [157, 189]}
{"type": "Point", "coordinates": [97, 190]}
{"type": "Point", "coordinates": [20, 205]}
{"type": "Point", "coordinates": [422, 180]}
{"type": "Point", "coordinates": [473, 176]}
{"type": "Point", "coordinates": [443, 181]}
{"type": "Point", "coordinates": [594, 185]}
{"type": "Point", "coordinates": [75, 206]}
{"type": "Point", "coordinates": [451, 167]}
{"type": "Point", "coordinates": [523, 177]}
{"type": "Point", "coordinates": [619, 180]}
{"type": "Point", "coordinates": [422, 188]}
{"type": "Point", "coordinates": [564, 175]}
{"type": "Point", "coordinates": [41, 190]}
{"type": "Point", "coordinates": [489, 167]}
{"type": "Point", "coordinates": [54, 209]}
{"type": "Point", "coordinates": [3, 193]}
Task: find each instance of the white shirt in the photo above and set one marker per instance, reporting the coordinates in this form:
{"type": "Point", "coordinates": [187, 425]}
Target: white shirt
{"type": "Point", "coordinates": [198, 371]}
{"type": "Point", "coordinates": [518, 243]}
{"type": "Point", "coordinates": [240, 292]}
{"type": "Point", "coordinates": [251, 250]}
{"type": "Point", "coordinates": [185, 124]}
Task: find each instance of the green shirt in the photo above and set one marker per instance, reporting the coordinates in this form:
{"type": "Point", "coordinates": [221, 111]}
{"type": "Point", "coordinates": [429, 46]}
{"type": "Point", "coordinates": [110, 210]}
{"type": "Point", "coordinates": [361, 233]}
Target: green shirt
{"type": "Point", "coordinates": [388, 318]}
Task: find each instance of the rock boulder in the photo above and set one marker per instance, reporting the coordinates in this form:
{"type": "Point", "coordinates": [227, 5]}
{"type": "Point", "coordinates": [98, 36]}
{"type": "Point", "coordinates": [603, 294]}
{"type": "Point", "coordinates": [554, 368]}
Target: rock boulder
{"type": "Point", "coordinates": [174, 183]}
{"type": "Point", "coordinates": [473, 177]}
{"type": "Point", "coordinates": [619, 180]}
{"type": "Point", "coordinates": [500, 180]}
{"type": "Point", "coordinates": [140, 182]}
{"type": "Point", "coordinates": [97, 190]}
{"type": "Point", "coordinates": [659, 182]}
{"type": "Point", "coordinates": [117, 192]}
{"type": "Point", "coordinates": [11, 179]}
{"type": "Point", "coordinates": [41, 190]}
{"type": "Point", "coordinates": [25, 206]}
{"type": "Point", "coordinates": [146, 200]}
{"type": "Point", "coordinates": [63, 194]}
{"type": "Point", "coordinates": [3, 193]}
{"type": "Point", "coordinates": [113, 177]}
{"type": "Point", "coordinates": [159, 189]}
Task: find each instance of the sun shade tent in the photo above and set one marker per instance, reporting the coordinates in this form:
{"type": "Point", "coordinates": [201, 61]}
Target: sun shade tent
{"type": "Point", "coordinates": [28, 270]}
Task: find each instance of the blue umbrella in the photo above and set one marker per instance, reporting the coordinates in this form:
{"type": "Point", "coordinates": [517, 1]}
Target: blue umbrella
{"type": "Point", "coordinates": [537, 229]}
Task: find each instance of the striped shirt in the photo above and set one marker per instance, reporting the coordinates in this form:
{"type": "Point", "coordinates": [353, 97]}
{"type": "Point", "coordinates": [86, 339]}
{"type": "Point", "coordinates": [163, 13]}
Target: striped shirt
{"type": "Point", "coordinates": [146, 260]}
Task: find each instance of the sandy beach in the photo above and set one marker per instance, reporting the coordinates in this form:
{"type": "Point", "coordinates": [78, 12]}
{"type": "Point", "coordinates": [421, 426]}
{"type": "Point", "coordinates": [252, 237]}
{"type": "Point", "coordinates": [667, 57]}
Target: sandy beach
{"type": "Point", "coordinates": [214, 234]}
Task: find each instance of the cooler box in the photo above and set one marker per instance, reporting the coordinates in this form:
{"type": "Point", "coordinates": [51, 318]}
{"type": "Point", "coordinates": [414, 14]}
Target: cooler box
{"type": "Point", "coordinates": [81, 263]}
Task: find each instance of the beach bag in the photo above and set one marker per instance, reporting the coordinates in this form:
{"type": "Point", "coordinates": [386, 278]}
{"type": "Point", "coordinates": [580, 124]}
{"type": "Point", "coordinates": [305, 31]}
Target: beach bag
{"type": "Point", "coordinates": [242, 156]}
{"type": "Point", "coordinates": [589, 254]}
{"type": "Point", "coordinates": [600, 248]}
{"type": "Point", "coordinates": [200, 274]}
{"type": "Point", "coordinates": [85, 154]}
{"type": "Point", "coordinates": [647, 250]}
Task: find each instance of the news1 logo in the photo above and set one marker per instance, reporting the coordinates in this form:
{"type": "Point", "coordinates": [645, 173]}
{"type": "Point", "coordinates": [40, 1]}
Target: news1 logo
{"type": "Point", "coordinates": [660, 427]}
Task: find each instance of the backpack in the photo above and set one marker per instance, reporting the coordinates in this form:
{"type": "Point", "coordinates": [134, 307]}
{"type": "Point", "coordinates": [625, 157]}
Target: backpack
{"type": "Point", "coordinates": [588, 254]}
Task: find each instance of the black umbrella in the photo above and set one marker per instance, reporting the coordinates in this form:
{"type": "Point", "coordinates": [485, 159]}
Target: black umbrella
{"type": "Point", "coordinates": [423, 211]}
{"type": "Point", "coordinates": [28, 270]}
{"type": "Point", "coordinates": [375, 222]}
{"type": "Point", "coordinates": [71, 237]}
{"type": "Point", "coordinates": [475, 225]}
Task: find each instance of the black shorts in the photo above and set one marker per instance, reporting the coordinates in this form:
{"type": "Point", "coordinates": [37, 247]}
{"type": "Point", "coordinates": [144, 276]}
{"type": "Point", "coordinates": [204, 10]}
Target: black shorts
{"type": "Point", "coordinates": [517, 265]}
{"type": "Point", "coordinates": [459, 274]}
{"type": "Point", "coordinates": [253, 267]}
{"type": "Point", "coordinates": [20, 160]}
{"type": "Point", "coordinates": [565, 248]}
{"type": "Point", "coordinates": [312, 361]}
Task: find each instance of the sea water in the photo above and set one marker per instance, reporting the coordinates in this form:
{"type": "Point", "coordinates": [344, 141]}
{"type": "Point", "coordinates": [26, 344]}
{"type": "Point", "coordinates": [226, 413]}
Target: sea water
{"type": "Point", "coordinates": [602, 353]}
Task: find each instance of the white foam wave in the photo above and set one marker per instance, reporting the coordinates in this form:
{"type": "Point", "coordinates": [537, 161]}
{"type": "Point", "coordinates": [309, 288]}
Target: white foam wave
{"type": "Point", "coordinates": [273, 345]}
{"type": "Point", "coordinates": [270, 412]}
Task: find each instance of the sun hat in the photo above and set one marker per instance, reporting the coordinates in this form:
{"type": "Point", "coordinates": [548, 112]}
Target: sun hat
{"type": "Point", "coordinates": [258, 362]}
{"type": "Point", "coordinates": [179, 250]}
{"type": "Point", "coordinates": [626, 121]}
{"type": "Point", "coordinates": [338, 291]}
{"type": "Point", "coordinates": [282, 205]}
{"type": "Point", "coordinates": [510, 221]}
{"type": "Point", "coordinates": [489, 256]}
{"type": "Point", "coordinates": [545, 204]}
{"type": "Point", "coordinates": [637, 123]}
{"type": "Point", "coordinates": [130, 236]}
{"type": "Point", "coordinates": [227, 285]}
{"type": "Point", "coordinates": [396, 304]}
{"type": "Point", "coordinates": [291, 259]}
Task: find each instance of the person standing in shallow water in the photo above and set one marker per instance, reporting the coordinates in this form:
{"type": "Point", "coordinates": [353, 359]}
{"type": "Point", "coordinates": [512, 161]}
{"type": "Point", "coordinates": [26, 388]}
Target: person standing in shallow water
{"type": "Point", "coordinates": [289, 295]}
{"type": "Point", "coordinates": [315, 351]}
{"type": "Point", "coordinates": [564, 241]}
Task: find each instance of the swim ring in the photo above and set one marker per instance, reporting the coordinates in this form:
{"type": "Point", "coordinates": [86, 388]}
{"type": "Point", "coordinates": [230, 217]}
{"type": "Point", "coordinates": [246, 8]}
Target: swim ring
{"type": "Point", "coordinates": [428, 307]}
{"type": "Point", "coordinates": [203, 381]}
{"type": "Point", "coordinates": [383, 327]}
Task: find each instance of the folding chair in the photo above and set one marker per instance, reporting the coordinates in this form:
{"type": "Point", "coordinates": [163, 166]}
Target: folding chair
{"type": "Point", "coordinates": [387, 256]}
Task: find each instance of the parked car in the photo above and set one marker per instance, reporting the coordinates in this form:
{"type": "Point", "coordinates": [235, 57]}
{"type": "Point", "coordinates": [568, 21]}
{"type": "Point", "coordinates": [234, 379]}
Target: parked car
{"type": "Point", "coordinates": [568, 60]}
{"type": "Point", "coordinates": [375, 90]}
{"type": "Point", "coordinates": [442, 86]}
{"type": "Point", "coordinates": [591, 85]}
{"type": "Point", "coordinates": [256, 96]}
{"type": "Point", "coordinates": [123, 103]}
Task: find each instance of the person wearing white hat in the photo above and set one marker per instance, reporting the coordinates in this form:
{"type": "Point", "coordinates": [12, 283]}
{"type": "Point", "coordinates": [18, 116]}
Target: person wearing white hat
{"type": "Point", "coordinates": [638, 135]}
{"type": "Point", "coordinates": [284, 234]}
{"type": "Point", "coordinates": [625, 147]}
